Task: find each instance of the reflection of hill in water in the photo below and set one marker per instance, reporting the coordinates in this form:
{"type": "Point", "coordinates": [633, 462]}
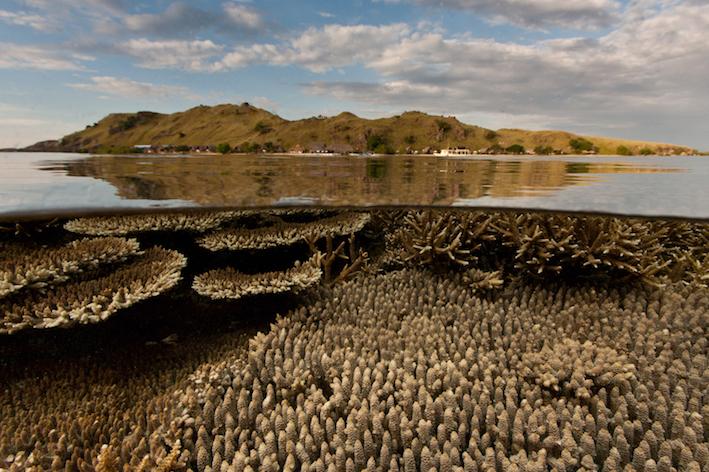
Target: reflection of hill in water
{"type": "Point", "coordinates": [258, 180]}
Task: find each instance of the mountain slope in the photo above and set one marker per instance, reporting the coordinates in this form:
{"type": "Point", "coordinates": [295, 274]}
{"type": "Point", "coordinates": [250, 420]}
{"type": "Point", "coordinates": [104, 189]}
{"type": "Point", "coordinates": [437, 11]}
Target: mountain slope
{"type": "Point", "coordinates": [247, 127]}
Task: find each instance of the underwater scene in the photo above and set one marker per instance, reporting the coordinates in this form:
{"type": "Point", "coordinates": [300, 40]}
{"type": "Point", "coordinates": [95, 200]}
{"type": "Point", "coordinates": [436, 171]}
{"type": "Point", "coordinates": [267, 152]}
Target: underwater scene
{"type": "Point", "coordinates": [354, 339]}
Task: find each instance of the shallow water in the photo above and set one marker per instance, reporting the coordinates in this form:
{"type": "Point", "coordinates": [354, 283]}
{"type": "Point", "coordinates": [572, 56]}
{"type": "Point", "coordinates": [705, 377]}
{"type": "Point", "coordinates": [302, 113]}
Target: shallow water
{"type": "Point", "coordinates": [51, 184]}
{"type": "Point", "coordinates": [428, 339]}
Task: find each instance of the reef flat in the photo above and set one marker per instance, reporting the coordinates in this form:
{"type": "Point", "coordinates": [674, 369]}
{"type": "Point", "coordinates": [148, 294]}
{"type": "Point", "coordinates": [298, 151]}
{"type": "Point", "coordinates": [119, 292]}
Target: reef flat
{"type": "Point", "coordinates": [402, 340]}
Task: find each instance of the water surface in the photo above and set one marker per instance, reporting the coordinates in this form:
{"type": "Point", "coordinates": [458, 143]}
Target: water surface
{"type": "Point", "coordinates": [32, 184]}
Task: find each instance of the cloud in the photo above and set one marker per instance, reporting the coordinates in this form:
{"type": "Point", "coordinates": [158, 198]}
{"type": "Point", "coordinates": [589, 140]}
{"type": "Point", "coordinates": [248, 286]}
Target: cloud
{"type": "Point", "coordinates": [23, 56]}
{"type": "Point", "coordinates": [183, 19]}
{"type": "Point", "coordinates": [320, 49]}
{"type": "Point", "coordinates": [577, 14]}
{"type": "Point", "coordinates": [190, 55]}
{"type": "Point", "coordinates": [648, 74]}
{"type": "Point", "coordinates": [22, 18]}
{"type": "Point", "coordinates": [131, 89]}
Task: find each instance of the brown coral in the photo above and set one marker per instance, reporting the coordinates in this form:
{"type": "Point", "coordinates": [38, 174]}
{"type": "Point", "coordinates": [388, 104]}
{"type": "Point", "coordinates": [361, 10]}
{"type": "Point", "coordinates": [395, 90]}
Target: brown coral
{"type": "Point", "coordinates": [578, 369]}
{"type": "Point", "coordinates": [121, 225]}
{"type": "Point", "coordinates": [21, 266]}
{"type": "Point", "coordinates": [284, 234]}
{"type": "Point", "coordinates": [412, 372]}
{"type": "Point", "coordinates": [93, 300]}
{"type": "Point", "coordinates": [232, 284]}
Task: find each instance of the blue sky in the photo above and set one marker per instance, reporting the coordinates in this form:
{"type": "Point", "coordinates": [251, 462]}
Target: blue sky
{"type": "Point", "coordinates": [636, 69]}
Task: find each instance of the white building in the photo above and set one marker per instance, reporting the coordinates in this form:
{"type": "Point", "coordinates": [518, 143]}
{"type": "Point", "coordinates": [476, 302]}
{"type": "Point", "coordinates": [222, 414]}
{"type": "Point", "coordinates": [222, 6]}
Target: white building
{"type": "Point", "coordinates": [458, 151]}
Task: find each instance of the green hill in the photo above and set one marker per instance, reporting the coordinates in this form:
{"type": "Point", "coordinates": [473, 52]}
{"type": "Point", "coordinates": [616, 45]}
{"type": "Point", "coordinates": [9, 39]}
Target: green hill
{"type": "Point", "coordinates": [248, 128]}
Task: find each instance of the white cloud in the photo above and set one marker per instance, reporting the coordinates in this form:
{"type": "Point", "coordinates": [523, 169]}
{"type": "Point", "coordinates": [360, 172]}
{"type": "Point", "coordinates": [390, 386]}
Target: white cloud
{"type": "Point", "coordinates": [22, 18]}
{"type": "Point", "coordinates": [579, 14]}
{"type": "Point", "coordinates": [243, 15]}
{"type": "Point", "coordinates": [24, 56]}
{"type": "Point", "coordinates": [130, 88]}
{"type": "Point", "coordinates": [190, 55]}
{"type": "Point", "coordinates": [320, 49]}
{"type": "Point", "coordinates": [649, 74]}
{"type": "Point", "coordinates": [184, 19]}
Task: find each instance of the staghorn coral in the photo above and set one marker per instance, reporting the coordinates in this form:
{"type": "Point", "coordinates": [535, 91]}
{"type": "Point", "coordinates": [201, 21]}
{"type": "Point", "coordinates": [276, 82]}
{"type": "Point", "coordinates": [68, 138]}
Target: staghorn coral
{"type": "Point", "coordinates": [232, 284]}
{"type": "Point", "coordinates": [94, 300]}
{"type": "Point", "coordinates": [444, 238]}
{"type": "Point", "coordinates": [121, 225]}
{"type": "Point", "coordinates": [549, 245]}
{"type": "Point", "coordinates": [21, 266]}
{"type": "Point", "coordinates": [284, 234]}
{"type": "Point", "coordinates": [357, 258]}
{"type": "Point", "coordinates": [410, 371]}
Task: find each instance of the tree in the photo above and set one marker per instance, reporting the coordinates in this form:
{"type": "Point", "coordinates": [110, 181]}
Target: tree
{"type": "Point", "coordinates": [374, 141]}
{"type": "Point", "coordinates": [443, 126]}
{"type": "Point", "coordinates": [262, 127]}
{"type": "Point", "coordinates": [543, 150]}
{"type": "Point", "coordinates": [223, 148]}
{"type": "Point", "coordinates": [623, 151]}
{"type": "Point", "coordinates": [410, 139]}
{"type": "Point", "coordinates": [515, 149]}
{"type": "Point", "coordinates": [646, 152]}
{"type": "Point", "coordinates": [490, 135]}
{"type": "Point", "coordinates": [581, 145]}
{"type": "Point", "coordinates": [182, 148]}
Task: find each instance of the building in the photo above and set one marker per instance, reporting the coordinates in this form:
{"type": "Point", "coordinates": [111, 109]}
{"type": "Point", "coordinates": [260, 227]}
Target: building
{"type": "Point", "coordinates": [457, 151]}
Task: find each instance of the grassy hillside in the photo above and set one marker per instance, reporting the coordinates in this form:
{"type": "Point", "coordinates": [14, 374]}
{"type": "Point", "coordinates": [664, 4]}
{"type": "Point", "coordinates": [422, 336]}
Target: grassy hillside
{"type": "Point", "coordinates": [248, 128]}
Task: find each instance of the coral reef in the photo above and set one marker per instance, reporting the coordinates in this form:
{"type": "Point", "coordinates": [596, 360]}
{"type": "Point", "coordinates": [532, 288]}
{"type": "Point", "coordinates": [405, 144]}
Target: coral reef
{"type": "Point", "coordinates": [284, 234]}
{"type": "Point", "coordinates": [93, 300]}
{"type": "Point", "coordinates": [410, 371]}
{"type": "Point", "coordinates": [437, 238]}
{"type": "Point", "coordinates": [121, 225]}
{"type": "Point", "coordinates": [501, 342]}
{"type": "Point", "coordinates": [356, 258]}
{"type": "Point", "coordinates": [22, 266]}
{"type": "Point", "coordinates": [551, 245]}
{"type": "Point", "coordinates": [108, 415]}
{"type": "Point", "coordinates": [232, 284]}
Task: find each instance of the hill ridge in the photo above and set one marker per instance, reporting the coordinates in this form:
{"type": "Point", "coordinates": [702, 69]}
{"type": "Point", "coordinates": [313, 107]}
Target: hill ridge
{"type": "Point", "coordinates": [248, 128]}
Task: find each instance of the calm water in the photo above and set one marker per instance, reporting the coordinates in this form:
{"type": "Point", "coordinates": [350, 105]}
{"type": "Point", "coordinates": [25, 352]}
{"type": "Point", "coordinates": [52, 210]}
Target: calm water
{"type": "Point", "coordinates": [66, 183]}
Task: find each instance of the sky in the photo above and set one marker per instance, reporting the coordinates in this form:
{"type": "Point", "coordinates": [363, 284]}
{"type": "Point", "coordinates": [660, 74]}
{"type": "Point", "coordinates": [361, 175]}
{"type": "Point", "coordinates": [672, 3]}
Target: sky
{"type": "Point", "coordinates": [636, 69]}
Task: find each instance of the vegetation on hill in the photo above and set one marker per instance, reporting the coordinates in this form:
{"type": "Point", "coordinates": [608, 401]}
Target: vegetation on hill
{"type": "Point", "coordinates": [245, 128]}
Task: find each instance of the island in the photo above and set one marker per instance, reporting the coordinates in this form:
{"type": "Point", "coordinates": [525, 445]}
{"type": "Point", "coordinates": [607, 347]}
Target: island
{"type": "Point", "coordinates": [244, 128]}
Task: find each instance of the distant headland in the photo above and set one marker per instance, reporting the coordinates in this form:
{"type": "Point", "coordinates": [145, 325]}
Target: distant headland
{"type": "Point", "coordinates": [247, 129]}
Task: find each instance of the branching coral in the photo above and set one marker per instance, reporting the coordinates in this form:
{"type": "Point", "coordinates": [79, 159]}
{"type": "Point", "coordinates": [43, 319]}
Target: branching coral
{"type": "Point", "coordinates": [479, 280]}
{"type": "Point", "coordinates": [232, 284]}
{"type": "Point", "coordinates": [443, 239]}
{"type": "Point", "coordinates": [408, 371]}
{"type": "Point", "coordinates": [21, 266]}
{"type": "Point", "coordinates": [284, 234]}
{"type": "Point", "coordinates": [573, 368]}
{"type": "Point", "coordinates": [91, 301]}
{"type": "Point", "coordinates": [127, 224]}
{"type": "Point", "coordinates": [356, 258]}
{"type": "Point", "coordinates": [547, 245]}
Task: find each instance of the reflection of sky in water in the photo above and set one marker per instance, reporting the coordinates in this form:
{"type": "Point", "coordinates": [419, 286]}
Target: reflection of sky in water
{"type": "Point", "coordinates": [682, 194]}
{"type": "Point", "coordinates": [54, 183]}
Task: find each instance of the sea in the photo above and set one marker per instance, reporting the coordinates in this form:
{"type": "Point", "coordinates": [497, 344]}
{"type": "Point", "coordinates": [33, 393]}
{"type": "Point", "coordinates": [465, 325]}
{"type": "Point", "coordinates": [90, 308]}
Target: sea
{"type": "Point", "coordinates": [393, 313]}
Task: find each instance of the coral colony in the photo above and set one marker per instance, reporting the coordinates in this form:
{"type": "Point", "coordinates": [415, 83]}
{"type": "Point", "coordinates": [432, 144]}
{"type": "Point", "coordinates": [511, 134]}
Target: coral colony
{"type": "Point", "coordinates": [421, 341]}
